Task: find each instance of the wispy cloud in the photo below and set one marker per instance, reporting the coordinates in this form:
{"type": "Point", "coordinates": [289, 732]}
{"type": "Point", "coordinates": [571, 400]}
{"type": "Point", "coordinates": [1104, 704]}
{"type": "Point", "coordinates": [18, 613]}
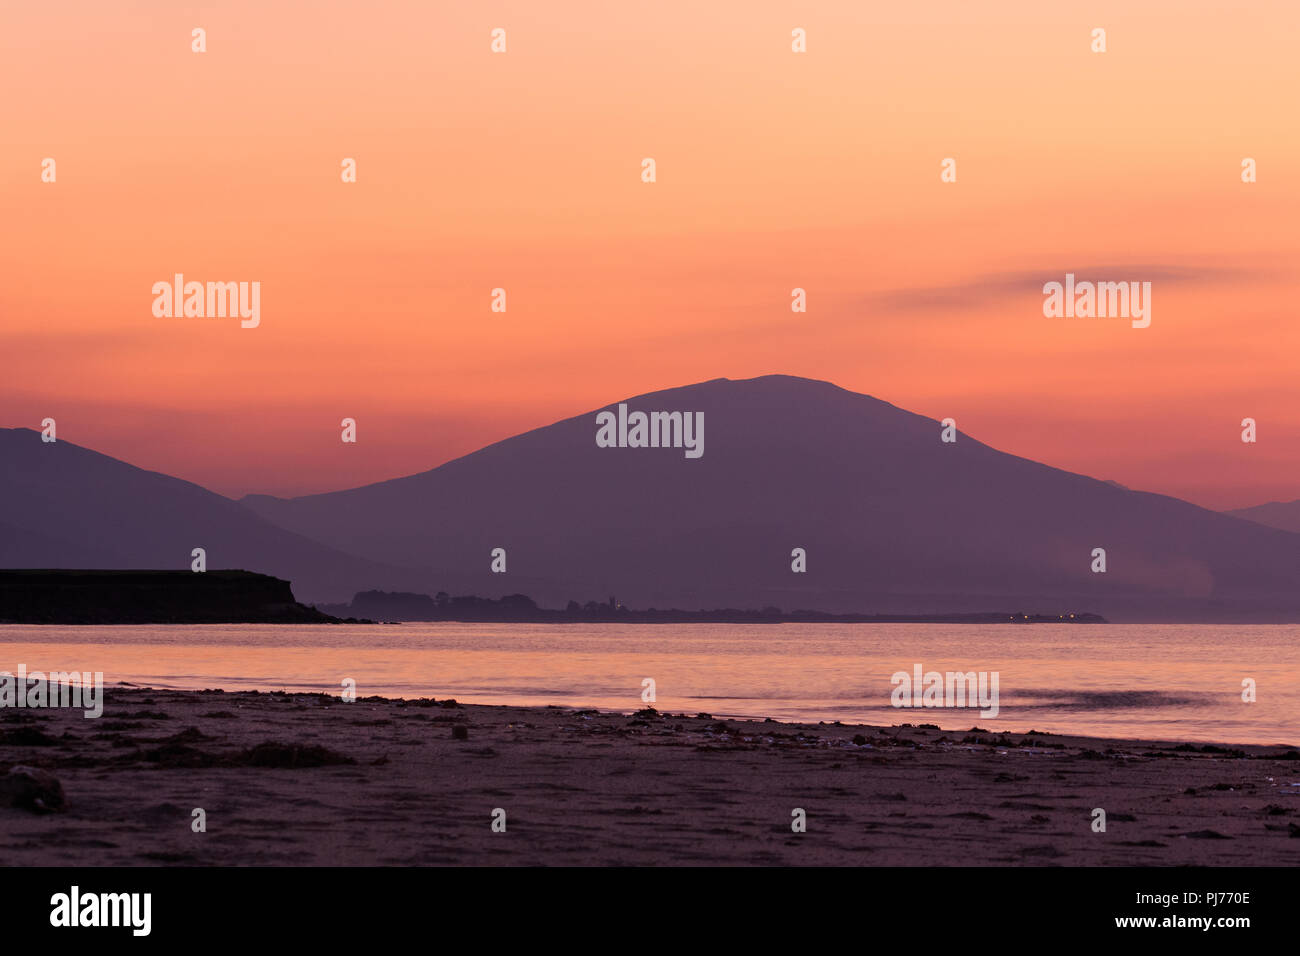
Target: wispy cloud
{"type": "Point", "coordinates": [995, 286]}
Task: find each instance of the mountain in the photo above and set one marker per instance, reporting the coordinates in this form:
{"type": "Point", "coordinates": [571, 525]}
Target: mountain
{"type": "Point", "coordinates": [1275, 514]}
{"type": "Point", "coordinates": [893, 520]}
{"type": "Point", "coordinates": [64, 506]}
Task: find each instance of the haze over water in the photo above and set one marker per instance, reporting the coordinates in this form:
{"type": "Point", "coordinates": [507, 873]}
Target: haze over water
{"type": "Point", "coordinates": [1173, 682]}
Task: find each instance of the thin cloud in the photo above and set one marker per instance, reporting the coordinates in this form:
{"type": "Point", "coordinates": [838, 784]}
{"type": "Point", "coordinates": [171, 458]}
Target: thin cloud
{"type": "Point", "coordinates": [995, 286]}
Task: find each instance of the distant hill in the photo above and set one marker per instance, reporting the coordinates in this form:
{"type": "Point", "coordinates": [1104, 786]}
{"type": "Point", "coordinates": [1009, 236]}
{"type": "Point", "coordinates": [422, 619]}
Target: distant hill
{"type": "Point", "coordinates": [893, 520]}
{"type": "Point", "coordinates": [1276, 514]}
{"type": "Point", "coordinates": [64, 506]}
{"type": "Point", "coordinates": [402, 606]}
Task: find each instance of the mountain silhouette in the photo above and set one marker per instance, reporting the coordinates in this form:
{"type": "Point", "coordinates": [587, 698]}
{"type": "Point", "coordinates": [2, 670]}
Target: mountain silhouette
{"type": "Point", "coordinates": [892, 519]}
{"type": "Point", "coordinates": [64, 506]}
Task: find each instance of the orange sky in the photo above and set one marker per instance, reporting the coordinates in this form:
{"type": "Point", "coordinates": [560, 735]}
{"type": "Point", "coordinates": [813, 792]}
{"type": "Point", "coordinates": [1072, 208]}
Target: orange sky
{"type": "Point", "coordinates": [775, 170]}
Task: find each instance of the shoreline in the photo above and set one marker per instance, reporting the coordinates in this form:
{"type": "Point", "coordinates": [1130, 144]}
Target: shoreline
{"type": "Point", "coordinates": [921, 718]}
{"type": "Point", "coordinates": [307, 779]}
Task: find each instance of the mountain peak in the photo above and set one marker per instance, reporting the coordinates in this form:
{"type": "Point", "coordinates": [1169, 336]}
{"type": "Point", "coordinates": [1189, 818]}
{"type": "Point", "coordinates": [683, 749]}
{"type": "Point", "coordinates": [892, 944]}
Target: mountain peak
{"type": "Point", "coordinates": [892, 519]}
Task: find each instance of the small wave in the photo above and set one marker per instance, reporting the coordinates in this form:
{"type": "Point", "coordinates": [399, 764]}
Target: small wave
{"type": "Point", "coordinates": [1106, 700]}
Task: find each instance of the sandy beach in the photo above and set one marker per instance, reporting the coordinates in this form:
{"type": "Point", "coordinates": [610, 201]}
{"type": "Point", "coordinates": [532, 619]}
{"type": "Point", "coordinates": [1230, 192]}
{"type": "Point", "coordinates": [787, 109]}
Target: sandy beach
{"type": "Point", "coordinates": [303, 779]}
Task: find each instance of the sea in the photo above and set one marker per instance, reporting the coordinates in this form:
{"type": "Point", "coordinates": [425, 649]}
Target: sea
{"type": "Point", "coordinates": [1197, 683]}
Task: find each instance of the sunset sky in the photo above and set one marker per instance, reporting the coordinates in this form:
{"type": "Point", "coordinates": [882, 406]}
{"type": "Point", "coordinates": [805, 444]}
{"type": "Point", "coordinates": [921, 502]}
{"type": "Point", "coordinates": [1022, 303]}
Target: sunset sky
{"type": "Point", "coordinates": [775, 170]}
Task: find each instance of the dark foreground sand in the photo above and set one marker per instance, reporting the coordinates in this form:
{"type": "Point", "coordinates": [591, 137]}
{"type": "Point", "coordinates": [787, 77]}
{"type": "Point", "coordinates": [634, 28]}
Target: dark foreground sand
{"type": "Point", "coordinates": [581, 787]}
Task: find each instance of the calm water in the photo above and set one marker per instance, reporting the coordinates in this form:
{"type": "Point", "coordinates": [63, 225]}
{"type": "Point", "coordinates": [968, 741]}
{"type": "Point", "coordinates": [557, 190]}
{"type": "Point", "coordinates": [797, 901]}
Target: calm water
{"type": "Point", "coordinates": [1177, 682]}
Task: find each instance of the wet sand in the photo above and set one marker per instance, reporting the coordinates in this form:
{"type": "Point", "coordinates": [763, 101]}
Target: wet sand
{"type": "Point", "coordinates": [386, 782]}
